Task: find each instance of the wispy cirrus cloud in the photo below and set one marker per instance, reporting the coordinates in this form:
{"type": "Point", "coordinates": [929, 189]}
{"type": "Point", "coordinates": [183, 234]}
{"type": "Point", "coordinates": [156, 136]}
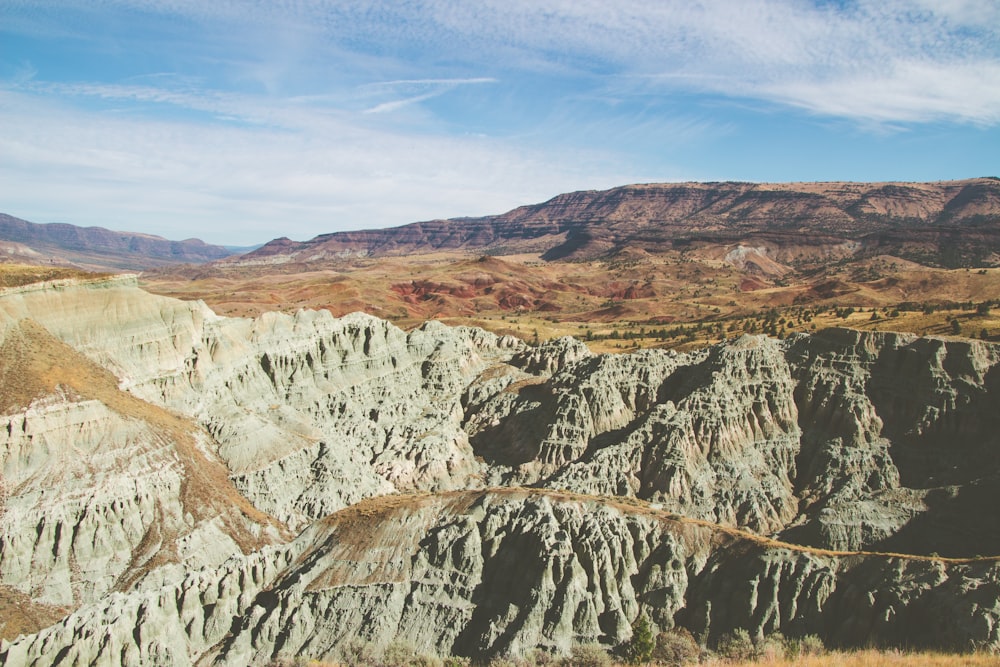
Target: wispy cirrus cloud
{"type": "Point", "coordinates": [805, 54]}
{"type": "Point", "coordinates": [791, 52]}
{"type": "Point", "coordinates": [428, 89]}
{"type": "Point", "coordinates": [912, 92]}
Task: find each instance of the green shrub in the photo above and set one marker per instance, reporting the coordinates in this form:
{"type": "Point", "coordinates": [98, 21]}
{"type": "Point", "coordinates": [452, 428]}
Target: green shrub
{"type": "Point", "coordinates": [772, 648]}
{"type": "Point", "coordinates": [737, 646]}
{"type": "Point", "coordinates": [402, 654]}
{"type": "Point", "coordinates": [359, 652]}
{"type": "Point", "coordinates": [587, 655]}
{"type": "Point", "coordinates": [676, 647]}
{"type": "Point", "coordinates": [502, 662]}
{"type": "Point", "coordinates": [539, 657]}
{"type": "Point", "coordinates": [397, 654]}
{"type": "Point", "coordinates": [801, 647]}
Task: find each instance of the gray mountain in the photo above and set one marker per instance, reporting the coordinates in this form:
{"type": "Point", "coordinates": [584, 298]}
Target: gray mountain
{"type": "Point", "coordinates": [96, 247]}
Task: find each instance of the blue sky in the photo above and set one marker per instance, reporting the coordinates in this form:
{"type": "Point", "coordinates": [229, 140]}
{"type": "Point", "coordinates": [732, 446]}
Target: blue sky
{"type": "Point", "coordinates": [237, 121]}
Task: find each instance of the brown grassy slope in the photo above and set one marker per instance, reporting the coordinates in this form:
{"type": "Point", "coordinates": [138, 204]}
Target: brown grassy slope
{"type": "Point", "coordinates": [866, 658]}
{"type": "Point", "coordinates": [875, 658]}
{"type": "Point", "coordinates": [18, 275]}
{"type": "Point", "coordinates": [19, 614]}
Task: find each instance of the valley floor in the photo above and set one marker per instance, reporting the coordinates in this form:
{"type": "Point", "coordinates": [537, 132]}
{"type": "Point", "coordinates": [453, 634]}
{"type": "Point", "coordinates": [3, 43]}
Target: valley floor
{"type": "Point", "coordinates": [674, 300]}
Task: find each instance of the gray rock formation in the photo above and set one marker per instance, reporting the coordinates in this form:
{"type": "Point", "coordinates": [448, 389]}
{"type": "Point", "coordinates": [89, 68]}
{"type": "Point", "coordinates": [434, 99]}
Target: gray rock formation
{"type": "Point", "coordinates": [101, 487]}
{"type": "Point", "coordinates": [310, 413]}
{"type": "Point", "coordinates": [300, 415]}
{"type": "Point", "coordinates": [157, 460]}
{"type": "Point", "coordinates": [487, 573]}
{"type": "Point", "coordinates": [844, 440]}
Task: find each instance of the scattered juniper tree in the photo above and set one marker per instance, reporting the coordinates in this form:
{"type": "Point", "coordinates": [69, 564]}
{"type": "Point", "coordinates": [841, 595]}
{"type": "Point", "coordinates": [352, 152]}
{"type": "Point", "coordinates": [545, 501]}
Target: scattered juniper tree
{"type": "Point", "coordinates": [640, 647]}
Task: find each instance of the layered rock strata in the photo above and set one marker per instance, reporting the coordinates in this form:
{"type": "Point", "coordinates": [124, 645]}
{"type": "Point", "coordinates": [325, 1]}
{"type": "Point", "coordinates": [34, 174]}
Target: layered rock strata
{"type": "Point", "coordinates": [96, 247]}
{"type": "Point", "coordinates": [212, 437]}
{"type": "Point", "coordinates": [950, 223]}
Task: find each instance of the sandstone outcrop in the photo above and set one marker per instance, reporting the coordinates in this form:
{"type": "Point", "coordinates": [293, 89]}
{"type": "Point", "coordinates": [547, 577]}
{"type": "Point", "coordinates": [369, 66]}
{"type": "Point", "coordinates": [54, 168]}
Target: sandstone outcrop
{"type": "Point", "coordinates": [158, 459]}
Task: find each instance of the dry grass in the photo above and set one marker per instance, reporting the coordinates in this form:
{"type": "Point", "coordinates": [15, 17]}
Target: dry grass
{"type": "Point", "coordinates": [363, 515]}
{"type": "Point", "coordinates": [33, 364]}
{"type": "Point", "coordinates": [861, 658]}
{"type": "Point", "coordinates": [636, 505]}
{"type": "Point", "coordinates": [18, 275]}
{"type": "Point", "coordinates": [19, 614]}
{"type": "Point", "coordinates": [874, 658]}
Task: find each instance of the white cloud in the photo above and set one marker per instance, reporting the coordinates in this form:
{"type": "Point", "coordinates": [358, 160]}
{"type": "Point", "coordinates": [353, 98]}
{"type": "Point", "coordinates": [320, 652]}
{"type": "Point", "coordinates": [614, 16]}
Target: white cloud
{"type": "Point", "coordinates": [431, 82]}
{"type": "Point", "coordinates": [433, 87]}
{"type": "Point", "coordinates": [880, 61]}
{"type": "Point", "coordinates": [912, 92]}
{"type": "Point", "coordinates": [241, 185]}
{"type": "Point", "coordinates": [386, 107]}
{"type": "Point", "coordinates": [786, 51]}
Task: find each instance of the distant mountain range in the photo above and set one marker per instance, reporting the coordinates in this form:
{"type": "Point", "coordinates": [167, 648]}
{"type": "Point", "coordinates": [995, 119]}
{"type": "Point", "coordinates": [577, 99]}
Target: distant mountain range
{"type": "Point", "coordinates": [96, 247]}
{"type": "Point", "coordinates": [948, 223]}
